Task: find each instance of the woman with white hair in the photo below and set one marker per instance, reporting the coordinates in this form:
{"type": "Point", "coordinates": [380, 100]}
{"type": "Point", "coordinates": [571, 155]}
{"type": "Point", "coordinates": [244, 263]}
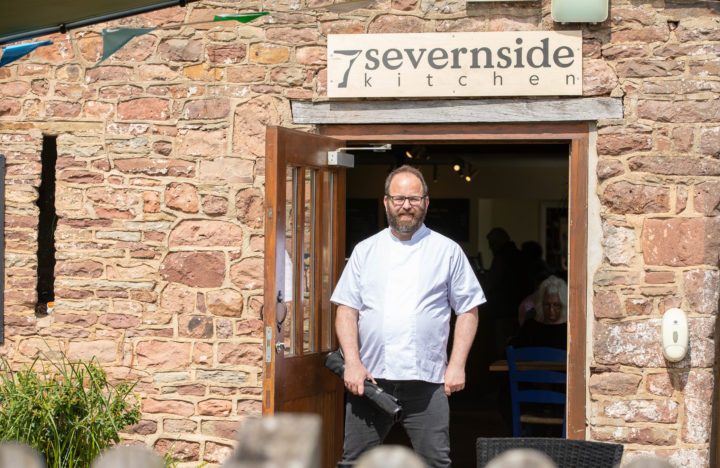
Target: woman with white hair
{"type": "Point", "coordinates": [549, 325]}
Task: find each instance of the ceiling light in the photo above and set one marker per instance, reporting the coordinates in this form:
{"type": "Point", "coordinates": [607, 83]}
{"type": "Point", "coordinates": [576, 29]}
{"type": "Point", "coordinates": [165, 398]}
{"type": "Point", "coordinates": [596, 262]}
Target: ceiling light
{"type": "Point", "coordinates": [456, 167]}
{"type": "Point", "coordinates": [408, 154]}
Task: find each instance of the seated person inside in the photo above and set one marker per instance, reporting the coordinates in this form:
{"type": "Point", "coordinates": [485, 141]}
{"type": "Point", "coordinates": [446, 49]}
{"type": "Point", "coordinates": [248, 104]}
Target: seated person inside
{"type": "Point", "coordinates": [548, 325]}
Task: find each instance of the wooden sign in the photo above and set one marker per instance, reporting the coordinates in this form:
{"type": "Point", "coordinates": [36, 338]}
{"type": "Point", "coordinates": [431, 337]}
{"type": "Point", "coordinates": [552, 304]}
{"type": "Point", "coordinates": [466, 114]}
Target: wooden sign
{"type": "Point", "coordinates": [524, 63]}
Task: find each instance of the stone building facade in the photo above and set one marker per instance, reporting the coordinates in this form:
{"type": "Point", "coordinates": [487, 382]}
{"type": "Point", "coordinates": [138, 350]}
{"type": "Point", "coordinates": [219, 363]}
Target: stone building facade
{"type": "Point", "coordinates": [160, 189]}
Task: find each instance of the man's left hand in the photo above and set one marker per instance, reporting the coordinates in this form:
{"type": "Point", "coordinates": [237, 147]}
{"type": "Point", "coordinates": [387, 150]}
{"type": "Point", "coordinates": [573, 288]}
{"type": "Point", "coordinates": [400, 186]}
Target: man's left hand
{"type": "Point", "coordinates": [454, 379]}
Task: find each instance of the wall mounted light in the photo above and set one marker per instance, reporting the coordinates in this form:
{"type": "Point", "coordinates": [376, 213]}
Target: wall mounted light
{"type": "Point", "coordinates": [574, 11]}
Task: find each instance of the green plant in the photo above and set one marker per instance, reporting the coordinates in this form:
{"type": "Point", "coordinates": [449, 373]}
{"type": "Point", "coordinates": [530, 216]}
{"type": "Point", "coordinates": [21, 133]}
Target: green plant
{"type": "Point", "coordinates": [67, 410]}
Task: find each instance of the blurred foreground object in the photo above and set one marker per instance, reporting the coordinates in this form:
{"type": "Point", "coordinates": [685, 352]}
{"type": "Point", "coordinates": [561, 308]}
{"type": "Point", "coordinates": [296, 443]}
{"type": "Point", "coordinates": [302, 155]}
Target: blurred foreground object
{"type": "Point", "coordinates": [521, 458]}
{"type": "Point", "coordinates": [279, 441]}
{"type": "Point", "coordinates": [389, 456]}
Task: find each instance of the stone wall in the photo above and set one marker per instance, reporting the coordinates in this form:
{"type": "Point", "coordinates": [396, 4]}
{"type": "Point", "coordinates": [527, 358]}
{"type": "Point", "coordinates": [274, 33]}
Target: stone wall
{"type": "Point", "coordinates": [160, 179]}
{"type": "Point", "coordinates": [659, 188]}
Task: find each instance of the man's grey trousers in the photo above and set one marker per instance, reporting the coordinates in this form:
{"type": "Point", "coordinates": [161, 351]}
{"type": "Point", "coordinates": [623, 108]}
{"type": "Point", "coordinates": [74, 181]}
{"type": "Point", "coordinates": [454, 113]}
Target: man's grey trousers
{"type": "Point", "coordinates": [425, 417]}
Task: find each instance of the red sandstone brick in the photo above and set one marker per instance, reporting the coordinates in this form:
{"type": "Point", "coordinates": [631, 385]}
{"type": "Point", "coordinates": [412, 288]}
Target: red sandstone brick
{"type": "Point", "coordinates": [638, 307]}
{"type": "Point", "coordinates": [215, 407]}
{"type": "Point", "coordinates": [156, 167]}
{"type": "Point", "coordinates": [226, 54]}
{"type": "Point", "coordinates": [618, 52]}
{"type": "Point", "coordinates": [198, 269]}
{"type": "Point", "coordinates": [702, 290]}
{"type": "Point", "coordinates": [241, 354]}
{"type": "Point", "coordinates": [144, 109]}
{"type": "Point", "coordinates": [342, 27]}
{"type": "Point", "coordinates": [195, 326]}
{"type": "Point", "coordinates": [182, 450]}
{"type": "Point", "coordinates": [633, 435]}
{"type": "Point", "coordinates": [206, 109]}
{"type": "Point", "coordinates": [269, 54]}
{"type": "Point", "coordinates": [679, 111]}
{"type": "Point", "coordinates": [624, 197]}
{"type": "Point", "coordinates": [222, 429]}
{"type": "Point", "coordinates": [182, 197]}
{"type": "Point", "coordinates": [163, 355]}
{"type": "Point", "coordinates": [14, 88]}
{"type": "Point", "coordinates": [247, 273]}
{"type": "Point", "coordinates": [659, 33]}
{"type": "Point", "coordinates": [656, 411]}
{"type": "Point", "coordinates": [659, 277]}
{"type": "Point", "coordinates": [681, 241]}
{"type": "Point", "coordinates": [396, 24]}
{"type": "Point", "coordinates": [180, 50]}
{"type": "Point", "coordinates": [710, 141]}
{"type": "Point", "coordinates": [606, 304]}
{"type": "Point", "coordinates": [669, 165]}
{"type": "Point", "coordinates": [216, 452]}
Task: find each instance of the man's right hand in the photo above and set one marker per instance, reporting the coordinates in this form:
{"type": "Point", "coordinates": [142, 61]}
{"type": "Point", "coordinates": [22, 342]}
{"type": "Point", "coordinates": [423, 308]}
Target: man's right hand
{"type": "Point", "coordinates": [355, 376]}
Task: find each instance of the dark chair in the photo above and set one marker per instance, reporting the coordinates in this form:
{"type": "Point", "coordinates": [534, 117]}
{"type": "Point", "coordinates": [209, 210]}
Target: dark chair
{"type": "Point", "coordinates": [564, 452]}
{"type": "Point", "coordinates": [535, 395]}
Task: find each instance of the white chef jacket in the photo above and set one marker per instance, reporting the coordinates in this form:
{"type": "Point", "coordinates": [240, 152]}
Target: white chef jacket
{"type": "Point", "coordinates": [404, 291]}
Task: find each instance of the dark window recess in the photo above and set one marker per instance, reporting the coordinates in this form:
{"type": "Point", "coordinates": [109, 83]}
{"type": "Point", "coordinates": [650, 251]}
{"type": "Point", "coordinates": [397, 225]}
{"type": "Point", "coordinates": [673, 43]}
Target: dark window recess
{"type": "Point", "coordinates": [46, 225]}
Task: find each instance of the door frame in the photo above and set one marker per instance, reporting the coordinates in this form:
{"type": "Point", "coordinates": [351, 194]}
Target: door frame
{"type": "Point", "coordinates": [576, 135]}
{"type": "Point", "coordinates": [300, 382]}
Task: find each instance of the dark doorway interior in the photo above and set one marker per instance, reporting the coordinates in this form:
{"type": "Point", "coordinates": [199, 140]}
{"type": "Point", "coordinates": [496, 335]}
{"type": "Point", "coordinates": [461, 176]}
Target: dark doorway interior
{"type": "Point", "coordinates": [47, 221]}
{"type": "Point", "coordinates": [522, 188]}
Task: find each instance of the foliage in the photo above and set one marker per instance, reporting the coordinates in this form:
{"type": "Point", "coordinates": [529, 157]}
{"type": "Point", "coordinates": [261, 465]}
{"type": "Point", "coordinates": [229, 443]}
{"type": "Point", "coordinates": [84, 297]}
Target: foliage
{"type": "Point", "coordinates": [67, 410]}
{"type": "Point", "coordinates": [170, 461]}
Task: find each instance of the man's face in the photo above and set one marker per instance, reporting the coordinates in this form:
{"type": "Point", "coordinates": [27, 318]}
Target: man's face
{"type": "Point", "coordinates": [406, 217]}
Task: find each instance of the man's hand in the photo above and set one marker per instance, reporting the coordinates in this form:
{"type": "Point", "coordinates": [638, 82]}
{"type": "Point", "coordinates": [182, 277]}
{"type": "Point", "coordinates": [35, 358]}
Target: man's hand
{"type": "Point", "coordinates": [346, 325]}
{"type": "Point", "coordinates": [355, 376]}
{"type": "Point", "coordinates": [454, 379]}
{"type": "Point", "coordinates": [462, 342]}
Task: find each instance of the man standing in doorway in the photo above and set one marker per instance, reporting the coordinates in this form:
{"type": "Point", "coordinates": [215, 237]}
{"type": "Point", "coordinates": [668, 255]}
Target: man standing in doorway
{"type": "Point", "coordinates": [393, 321]}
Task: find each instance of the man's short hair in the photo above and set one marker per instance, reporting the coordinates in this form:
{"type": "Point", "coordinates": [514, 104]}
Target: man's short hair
{"type": "Point", "coordinates": [409, 169]}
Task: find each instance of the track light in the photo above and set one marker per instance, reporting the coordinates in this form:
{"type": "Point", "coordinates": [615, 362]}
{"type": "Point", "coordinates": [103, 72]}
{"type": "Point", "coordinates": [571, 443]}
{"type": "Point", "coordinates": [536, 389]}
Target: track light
{"type": "Point", "coordinates": [468, 178]}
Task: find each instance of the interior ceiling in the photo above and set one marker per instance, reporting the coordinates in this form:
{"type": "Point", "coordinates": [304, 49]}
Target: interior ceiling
{"type": "Point", "coordinates": [530, 154]}
{"type": "Point", "coordinates": [32, 18]}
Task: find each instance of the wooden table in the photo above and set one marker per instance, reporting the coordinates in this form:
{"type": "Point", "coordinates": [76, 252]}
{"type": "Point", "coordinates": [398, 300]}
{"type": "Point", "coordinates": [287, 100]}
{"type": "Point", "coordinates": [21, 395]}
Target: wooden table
{"type": "Point", "coordinates": [502, 366]}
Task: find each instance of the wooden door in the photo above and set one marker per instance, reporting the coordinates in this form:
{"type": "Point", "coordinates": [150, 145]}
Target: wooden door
{"type": "Point", "coordinates": [304, 255]}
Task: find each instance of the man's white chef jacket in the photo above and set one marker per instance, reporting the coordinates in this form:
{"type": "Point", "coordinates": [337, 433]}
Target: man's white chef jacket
{"type": "Point", "coordinates": [404, 291]}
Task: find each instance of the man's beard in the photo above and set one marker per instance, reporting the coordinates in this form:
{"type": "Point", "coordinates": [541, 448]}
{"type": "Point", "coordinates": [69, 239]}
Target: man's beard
{"type": "Point", "coordinates": [406, 226]}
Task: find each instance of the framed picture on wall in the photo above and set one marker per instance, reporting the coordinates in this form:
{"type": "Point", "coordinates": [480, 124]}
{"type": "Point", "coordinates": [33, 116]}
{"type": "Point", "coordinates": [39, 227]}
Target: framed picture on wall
{"type": "Point", "coordinates": [554, 233]}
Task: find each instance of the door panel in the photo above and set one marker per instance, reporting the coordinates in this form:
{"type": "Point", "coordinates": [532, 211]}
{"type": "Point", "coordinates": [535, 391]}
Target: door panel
{"type": "Point", "coordinates": [304, 212]}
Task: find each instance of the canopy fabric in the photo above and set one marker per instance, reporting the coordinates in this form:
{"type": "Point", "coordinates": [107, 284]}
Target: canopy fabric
{"type": "Point", "coordinates": [31, 18]}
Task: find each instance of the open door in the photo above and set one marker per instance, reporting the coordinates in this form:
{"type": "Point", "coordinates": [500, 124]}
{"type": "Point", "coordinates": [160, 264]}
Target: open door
{"type": "Point", "coordinates": [304, 246]}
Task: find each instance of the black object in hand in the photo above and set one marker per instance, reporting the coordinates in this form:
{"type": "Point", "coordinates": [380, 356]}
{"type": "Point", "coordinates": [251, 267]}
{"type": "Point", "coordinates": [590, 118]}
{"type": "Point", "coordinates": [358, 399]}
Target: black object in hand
{"type": "Point", "coordinates": [388, 404]}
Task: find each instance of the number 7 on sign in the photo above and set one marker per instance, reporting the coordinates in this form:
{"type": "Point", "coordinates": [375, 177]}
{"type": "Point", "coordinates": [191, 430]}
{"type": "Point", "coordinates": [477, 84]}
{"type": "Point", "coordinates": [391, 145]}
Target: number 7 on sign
{"type": "Point", "coordinates": [355, 54]}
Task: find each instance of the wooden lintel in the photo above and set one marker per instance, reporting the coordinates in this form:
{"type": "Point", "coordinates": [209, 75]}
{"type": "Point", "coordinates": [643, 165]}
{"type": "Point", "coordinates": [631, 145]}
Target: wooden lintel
{"type": "Point", "coordinates": [458, 111]}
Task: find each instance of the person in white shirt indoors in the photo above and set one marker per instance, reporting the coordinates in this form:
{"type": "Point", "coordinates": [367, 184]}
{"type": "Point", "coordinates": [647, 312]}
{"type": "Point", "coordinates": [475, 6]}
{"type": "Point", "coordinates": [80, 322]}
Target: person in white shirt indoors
{"type": "Point", "coordinates": [395, 298]}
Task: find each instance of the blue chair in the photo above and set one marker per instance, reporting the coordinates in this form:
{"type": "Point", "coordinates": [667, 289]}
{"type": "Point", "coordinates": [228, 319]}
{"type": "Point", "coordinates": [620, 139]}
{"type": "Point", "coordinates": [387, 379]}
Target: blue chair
{"type": "Point", "coordinates": [517, 396]}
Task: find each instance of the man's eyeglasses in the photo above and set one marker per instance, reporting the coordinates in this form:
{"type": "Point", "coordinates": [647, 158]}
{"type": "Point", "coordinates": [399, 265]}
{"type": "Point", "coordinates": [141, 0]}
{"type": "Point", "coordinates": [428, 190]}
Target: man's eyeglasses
{"type": "Point", "coordinates": [399, 200]}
